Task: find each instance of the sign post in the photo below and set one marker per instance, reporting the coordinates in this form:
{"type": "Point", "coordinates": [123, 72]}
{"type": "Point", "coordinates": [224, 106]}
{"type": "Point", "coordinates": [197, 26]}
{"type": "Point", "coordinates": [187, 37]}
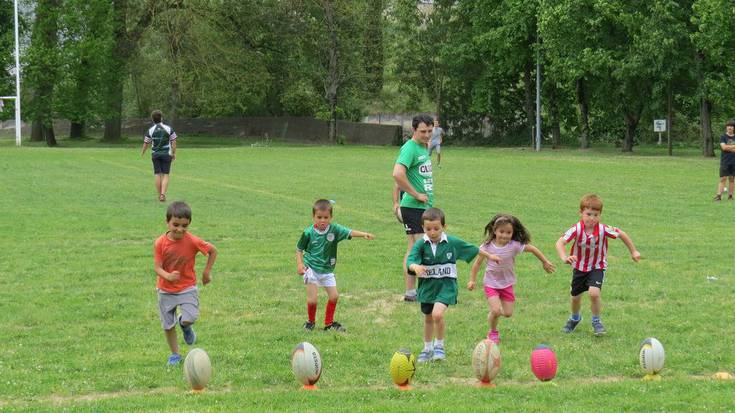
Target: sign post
{"type": "Point", "coordinates": [659, 125]}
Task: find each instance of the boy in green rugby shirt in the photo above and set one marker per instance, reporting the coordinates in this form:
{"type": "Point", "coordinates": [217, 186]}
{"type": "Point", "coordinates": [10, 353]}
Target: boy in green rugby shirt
{"type": "Point", "coordinates": [433, 259]}
{"type": "Point", "coordinates": [316, 257]}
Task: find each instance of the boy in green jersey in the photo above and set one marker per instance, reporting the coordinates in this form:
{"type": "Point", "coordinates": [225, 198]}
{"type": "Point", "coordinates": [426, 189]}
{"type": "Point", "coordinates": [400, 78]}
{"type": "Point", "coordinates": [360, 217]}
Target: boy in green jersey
{"type": "Point", "coordinates": [316, 257]}
{"type": "Point", "coordinates": [434, 260]}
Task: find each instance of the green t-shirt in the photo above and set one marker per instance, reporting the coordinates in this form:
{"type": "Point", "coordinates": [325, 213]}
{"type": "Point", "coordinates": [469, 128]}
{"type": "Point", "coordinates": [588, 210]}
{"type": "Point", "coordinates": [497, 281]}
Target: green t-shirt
{"type": "Point", "coordinates": [415, 157]}
{"type": "Point", "coordinates": [443, 262]}
{"type": "Point", "coordinates": [320, 248]}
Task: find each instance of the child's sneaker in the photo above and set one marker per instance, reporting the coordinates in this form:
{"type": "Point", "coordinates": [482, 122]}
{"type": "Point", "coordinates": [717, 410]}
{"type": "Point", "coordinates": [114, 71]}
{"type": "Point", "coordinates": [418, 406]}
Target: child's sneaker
{"type": "Point", "coordinates": [570, 325]}
{"type": "Point", "coordinates": [309, 326]}
{"type": "Point", "coordinates": [336, 327]}
{"type": "Point", "coordinates": [174, 359]}
{"type": "Point", "coordinates": [409, 298]}
{"type": "Point", "coordinates": [494, 336]}
{"type": "Point", "coordinates": [598, 328]}
{"type": "Point", "coordinates": [425, 356]}
{"type": "Point", "coordinates": [729, 197]}
{"type": "Point", "coordinates": [717, 197]}
{"type": "Point", "coordinates": [439, 353]}
{"type": "Point", "coordinates": [189, 335]}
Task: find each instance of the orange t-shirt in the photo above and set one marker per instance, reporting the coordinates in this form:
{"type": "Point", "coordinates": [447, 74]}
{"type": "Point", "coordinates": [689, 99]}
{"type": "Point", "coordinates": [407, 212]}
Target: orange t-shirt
{"type": "Point", "coordinates": [179, 256]}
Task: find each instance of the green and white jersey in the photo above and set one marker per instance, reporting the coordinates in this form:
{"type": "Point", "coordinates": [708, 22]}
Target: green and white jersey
{"type": "Point", "coordinates": [160, 136]}
{"type": "Point", "coordinates": [440, 259]}
{"type": "Point", "coordinates": [320, 248]}
{"type": "Point", "coordinates": [415, 157]}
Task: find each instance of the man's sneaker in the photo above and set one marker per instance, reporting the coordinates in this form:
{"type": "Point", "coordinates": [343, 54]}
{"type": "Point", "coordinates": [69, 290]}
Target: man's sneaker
{"type": "Point", "coordinates": [409, 298]}
{"type": "Point", "coordinates": [570, 325]}
{"type": "Point", "coordinates": [599, 328]}
{"type": "Point", "coordinates": [309, 326]}
{"type": "Point", "coordinates": [494, 336]}
{"type": "Point", "coordinates": [425, 356]}
{"type": "Point", "coordinates": [189, 335]}
{"type": "Point", "coordinates": [717, 197]}
{"type": "Point", "coordinates": [335, 326]}
{"type": "Point", "coordinates": [439, 354]}
{"type": "Point", "coordinates": [174, 359]}
{"type": "Point", "coordinates": [729, 197]}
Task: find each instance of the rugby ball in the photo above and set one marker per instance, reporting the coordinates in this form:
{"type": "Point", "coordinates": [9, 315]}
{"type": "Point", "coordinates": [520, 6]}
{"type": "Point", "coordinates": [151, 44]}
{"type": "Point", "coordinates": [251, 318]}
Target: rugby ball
{"type": "Point", "coordinates": [651, 355]}
{"type": "Point", "coordinates": [306, 364]}
{"type": "Point", "coordinates": [402, 367]}
{"type": "Point", "coordinates": [197, 368]}
{"type": "Point", "coordinates": [543, 363]}
{"type": "Point", "coordinates": [486, 361]}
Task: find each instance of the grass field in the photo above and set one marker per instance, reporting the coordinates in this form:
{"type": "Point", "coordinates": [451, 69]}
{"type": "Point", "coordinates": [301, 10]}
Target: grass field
{"type": "Point", "coordinates": [79, 322]}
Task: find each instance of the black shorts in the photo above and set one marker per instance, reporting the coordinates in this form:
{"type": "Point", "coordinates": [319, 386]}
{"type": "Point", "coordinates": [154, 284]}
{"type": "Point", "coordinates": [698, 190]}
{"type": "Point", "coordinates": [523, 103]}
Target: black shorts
{"type": "Point", "coordinates": [161, 164]}
{"type": "Point", "coordinates": [727, 169]}
{"type": "Point", "coordinates": [583, 280]}
{"type": "Point", "coordinates": [428, 308]}
{"type": "Point", "coordinates": [412, 220]}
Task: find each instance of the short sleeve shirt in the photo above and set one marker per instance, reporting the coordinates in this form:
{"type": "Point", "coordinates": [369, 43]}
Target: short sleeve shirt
{"type": "Point", "coordinates": [436, 135]}
{"type": "Point", "coordinates": [590, 249]}
{"type": "Point", "coordinates": [440, 259]}
{"type": "Point", "coordinates": [727, 157]}
{"type": "Point", "coordinates": [179, 255]}
{"type": "Point", "coordinates": [501, 275]}
{"type": "Point", "coordinates": [415, 157]}
{"type": "Point", "coordinates": [160, 136]}
{"type": "Point", "coordinates": [320, 248]}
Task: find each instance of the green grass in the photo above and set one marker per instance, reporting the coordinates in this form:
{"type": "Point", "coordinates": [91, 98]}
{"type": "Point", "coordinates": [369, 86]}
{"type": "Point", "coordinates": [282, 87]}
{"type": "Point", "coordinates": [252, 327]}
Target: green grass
{"type": "Point", "coordinates": [79, 322]}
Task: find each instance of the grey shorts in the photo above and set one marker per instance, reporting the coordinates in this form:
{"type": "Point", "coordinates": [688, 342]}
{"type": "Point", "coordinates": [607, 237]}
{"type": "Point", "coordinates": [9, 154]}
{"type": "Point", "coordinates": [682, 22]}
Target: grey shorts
{"type": "Point", "coordinates": [188, 303]}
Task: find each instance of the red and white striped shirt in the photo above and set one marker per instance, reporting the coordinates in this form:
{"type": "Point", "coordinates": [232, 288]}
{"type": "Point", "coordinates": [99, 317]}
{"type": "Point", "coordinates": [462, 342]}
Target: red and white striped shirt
{"type": "Point", "coordinates": [590, 249]}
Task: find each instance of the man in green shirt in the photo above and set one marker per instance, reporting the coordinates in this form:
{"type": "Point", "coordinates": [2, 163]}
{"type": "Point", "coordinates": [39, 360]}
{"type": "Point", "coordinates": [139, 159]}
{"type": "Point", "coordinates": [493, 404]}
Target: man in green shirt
{"type": "Point", "coordinates": [412, 173]}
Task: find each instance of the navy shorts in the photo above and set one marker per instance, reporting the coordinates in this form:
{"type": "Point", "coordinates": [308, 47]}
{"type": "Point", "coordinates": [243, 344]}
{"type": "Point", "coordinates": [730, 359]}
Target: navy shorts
{"type": "Point", "coordinates": [162, 164]}
{"type": "Point", "coordinates": [583, 280]}
{"type": "Point", "coordinates": [412, 220]}
{"type": "Point", "coordinates": [727, 169]}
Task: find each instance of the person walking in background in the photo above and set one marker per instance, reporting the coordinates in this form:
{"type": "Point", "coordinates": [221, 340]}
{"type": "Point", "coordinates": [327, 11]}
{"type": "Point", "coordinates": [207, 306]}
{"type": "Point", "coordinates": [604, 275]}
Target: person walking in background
{"type": "Point", "coordinates": [727, 161]}
{"type": "Point", "coordinates": [162, 140]}
{"type": "Point", "coordinates": [437, 137]}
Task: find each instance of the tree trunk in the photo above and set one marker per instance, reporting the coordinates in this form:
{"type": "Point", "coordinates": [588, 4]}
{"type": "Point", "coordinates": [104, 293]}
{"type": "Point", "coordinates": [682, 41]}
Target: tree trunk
{"type": "Point", "coordinates": [77, 130]}
{"type": "Point", "coordinates": [584, 112]}
{"type": "Point", "coordinates": [333, 76]}
{"type": "Point", "coordinates": [49, 135]}
{"type": "Point", "coordinates": [45, 38]}
{"type": "Point", "coordinates": [631, 125]}
{"type": "Point", "coordinates": [36, 131]}
{"type": "Point", "coordinates": [529, 86]}
{"type": "Point", "coordinates": [705, 111]}
{"type": "Point", "coordinates": [669, 116]}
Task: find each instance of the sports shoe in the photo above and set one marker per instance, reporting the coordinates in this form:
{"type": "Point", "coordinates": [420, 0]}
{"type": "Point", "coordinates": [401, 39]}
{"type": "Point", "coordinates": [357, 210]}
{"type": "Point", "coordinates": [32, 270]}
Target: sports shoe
{"type": "Point", "coordinates": [570, 325]}
{"type": "Point", "coordinates": [309, 326]}
{"type": "Point", "coordinates": [425, 355]}
{"type": "Point", "coordinates": [729, 197]}
{"type": "Point", "coordinates": [494, 336]}
{"type": "Point", "coordinates": [717, 197]}
{"type": "Point", "coordinates": [174, 359]}
{"type": "Point", "coordinates": [336, 327]}
{"type": "Point", "coordinates": [599, 328]}
{"type": "Point", "coordinates": [439, 354]}
{"type": "Point", "coordinates": [409, 298]}
{"type": "Point", "coordinates": [162, 197]}
{"type": "Point", "coordinates": [189, 335]}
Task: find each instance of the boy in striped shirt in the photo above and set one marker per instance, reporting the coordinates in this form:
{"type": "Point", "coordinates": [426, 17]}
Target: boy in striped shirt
{"type": "Point", "coordinates": [588, 259]}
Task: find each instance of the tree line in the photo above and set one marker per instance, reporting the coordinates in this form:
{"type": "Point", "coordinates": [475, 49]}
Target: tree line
{"type": "Point", "coordinates": [608, 67]}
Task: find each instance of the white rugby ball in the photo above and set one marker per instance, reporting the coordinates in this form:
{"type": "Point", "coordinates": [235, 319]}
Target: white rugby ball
{"type": "Point", "coordinates": [486, 360]}
{"type": "Point", "coordinates": [306, 363]}
{"type": "Point", "coordinates": [197, 368]}
{"type": "Point", "coordinates": [651, 355]}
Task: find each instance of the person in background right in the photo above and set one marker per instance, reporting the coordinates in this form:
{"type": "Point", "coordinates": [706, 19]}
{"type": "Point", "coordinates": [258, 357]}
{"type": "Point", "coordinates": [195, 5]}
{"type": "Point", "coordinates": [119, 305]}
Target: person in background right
{"type": "Point", "coordinates": [727, 161]}
{"type": "Point", "coordinates": [588, 259]}
{"type": "Point", "coordinates": [437, 137]}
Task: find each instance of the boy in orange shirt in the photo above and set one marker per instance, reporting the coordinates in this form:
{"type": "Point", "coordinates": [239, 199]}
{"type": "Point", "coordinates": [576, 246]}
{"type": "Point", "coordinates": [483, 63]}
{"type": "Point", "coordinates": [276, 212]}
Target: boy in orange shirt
{"type": "Point", "coordinates": [174, 256]}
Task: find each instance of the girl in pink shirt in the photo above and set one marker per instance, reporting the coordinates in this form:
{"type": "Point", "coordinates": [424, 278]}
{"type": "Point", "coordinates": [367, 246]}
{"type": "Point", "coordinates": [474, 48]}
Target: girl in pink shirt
{"type": "Point", "coordinates": [506, 238]}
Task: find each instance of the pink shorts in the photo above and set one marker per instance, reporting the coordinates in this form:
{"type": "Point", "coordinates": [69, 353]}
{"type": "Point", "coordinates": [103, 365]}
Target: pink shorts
{"type": "Point", "coordinates": [505, 294]}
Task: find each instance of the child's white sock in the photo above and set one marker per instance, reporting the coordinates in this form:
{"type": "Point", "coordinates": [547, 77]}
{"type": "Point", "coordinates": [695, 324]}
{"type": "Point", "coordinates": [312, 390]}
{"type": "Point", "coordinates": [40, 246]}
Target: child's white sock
{"type": "Point", "coordinates": [439, 343]}
{"type": "Point", "coordinates": [428, 346]}
{"type": "Point", "coordinates": [411, 293]}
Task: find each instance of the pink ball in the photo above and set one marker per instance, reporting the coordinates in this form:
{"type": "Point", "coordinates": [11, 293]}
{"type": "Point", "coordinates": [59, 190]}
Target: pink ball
{"type": "Point", "coordinates": [543, 363]}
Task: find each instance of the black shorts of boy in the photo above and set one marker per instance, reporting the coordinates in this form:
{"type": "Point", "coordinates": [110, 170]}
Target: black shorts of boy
{"type": "Point", "coordinates": [412, 220]}
{"type": "Point", "coordinates": [727, 169]}
{"type": "Point", "coordinates": [583, 280]}
{"type": "Point", "coordinates": [428, 308]}
{"type": "Point", "coordinates": [161, 164]}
